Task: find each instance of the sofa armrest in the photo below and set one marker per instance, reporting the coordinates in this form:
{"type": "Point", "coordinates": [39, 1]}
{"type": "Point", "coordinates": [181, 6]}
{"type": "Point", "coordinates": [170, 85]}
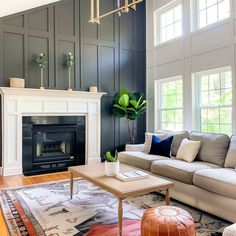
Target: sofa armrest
{"type": "Point", "coordinates": [134, 147]}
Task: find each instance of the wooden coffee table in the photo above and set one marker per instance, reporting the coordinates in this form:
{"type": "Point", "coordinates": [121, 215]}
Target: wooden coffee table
{"type": "Point", "coordinates": [95, 173]}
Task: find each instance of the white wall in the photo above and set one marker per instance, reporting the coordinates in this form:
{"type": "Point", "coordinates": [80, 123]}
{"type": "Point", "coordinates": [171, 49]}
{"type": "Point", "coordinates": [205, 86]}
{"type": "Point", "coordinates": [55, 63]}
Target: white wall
{"type": "Point", "coordinates": [208, 48]}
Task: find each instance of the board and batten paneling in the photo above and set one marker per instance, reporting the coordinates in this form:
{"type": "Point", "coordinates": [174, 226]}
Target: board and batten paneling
{"type": "Point", "coordinates": [110, 55]}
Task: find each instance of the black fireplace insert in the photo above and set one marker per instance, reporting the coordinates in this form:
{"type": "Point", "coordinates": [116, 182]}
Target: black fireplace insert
{"type": "Point", "coordinates": [52, 143]}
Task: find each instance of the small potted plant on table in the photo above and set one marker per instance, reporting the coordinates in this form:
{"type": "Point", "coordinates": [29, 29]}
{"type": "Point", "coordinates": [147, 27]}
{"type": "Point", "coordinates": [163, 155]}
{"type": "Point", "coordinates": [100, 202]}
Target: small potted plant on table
{"type": "Point", "coordinates": [111, 164]}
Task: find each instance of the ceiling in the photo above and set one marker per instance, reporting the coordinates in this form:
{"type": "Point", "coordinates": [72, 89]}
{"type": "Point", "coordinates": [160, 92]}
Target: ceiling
{"type": "Point", "coordinates": [9, 7]}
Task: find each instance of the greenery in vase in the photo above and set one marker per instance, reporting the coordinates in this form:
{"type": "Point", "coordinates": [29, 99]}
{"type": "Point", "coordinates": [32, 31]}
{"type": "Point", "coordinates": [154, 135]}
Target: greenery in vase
{"type": "Point", "coordinates": [111, 158]}
{"type": "Point", "coordinates": [69, 63]}
{"type": "Point", "coordinates": [69, 60]}
{"type": "Point", "coordinates": [42, 63]}
{"type": "Point", "coordinates": [131, 106]}
{"type": "Point", "coordinates": [41, 60]}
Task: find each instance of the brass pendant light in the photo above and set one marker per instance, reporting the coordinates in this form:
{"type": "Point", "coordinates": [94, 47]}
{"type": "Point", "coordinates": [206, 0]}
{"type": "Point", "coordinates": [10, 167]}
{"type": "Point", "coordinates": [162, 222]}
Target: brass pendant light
{"type": "Point", "coordinates": [120, 9]}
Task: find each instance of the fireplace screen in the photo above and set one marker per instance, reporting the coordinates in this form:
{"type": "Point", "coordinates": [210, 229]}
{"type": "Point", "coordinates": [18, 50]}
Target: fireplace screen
{"type": "Point", "coordinates": [54, 145]}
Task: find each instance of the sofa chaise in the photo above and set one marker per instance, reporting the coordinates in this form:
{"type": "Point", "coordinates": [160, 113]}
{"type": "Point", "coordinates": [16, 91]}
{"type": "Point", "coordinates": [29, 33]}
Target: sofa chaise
{"type": "Point", "coordinates": [207, 183]}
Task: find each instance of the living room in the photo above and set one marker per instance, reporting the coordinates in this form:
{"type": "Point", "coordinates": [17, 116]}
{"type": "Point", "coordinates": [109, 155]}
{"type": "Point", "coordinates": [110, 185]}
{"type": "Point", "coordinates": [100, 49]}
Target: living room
{"type": "Point", "coordinates": [117, 117]}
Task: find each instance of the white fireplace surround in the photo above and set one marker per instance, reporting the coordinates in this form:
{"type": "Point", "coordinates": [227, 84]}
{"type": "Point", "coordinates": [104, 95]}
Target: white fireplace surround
{"type": "Point", "coordinates": [17, 103]}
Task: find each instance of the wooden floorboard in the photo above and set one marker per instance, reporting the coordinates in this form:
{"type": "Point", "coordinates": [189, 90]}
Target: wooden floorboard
{"type": "Point", "coordinates": [21, 180]}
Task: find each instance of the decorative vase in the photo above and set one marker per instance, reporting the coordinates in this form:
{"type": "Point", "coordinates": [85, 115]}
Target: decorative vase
{"type": "Point", "coordinates": [112, 168]}
{"type": "Point", "coordinates": [41, 79]}
{"type": "Point", "coordinates": [69, 82]}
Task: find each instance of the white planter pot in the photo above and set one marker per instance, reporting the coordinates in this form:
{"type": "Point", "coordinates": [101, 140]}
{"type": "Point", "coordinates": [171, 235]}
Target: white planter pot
{"type": "Point", "coordinates": [112, 168]}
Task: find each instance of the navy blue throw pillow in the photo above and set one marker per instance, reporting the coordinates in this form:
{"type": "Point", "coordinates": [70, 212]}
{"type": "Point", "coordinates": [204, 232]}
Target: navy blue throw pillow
{"type": "Point", "coordinates": [161, 147]}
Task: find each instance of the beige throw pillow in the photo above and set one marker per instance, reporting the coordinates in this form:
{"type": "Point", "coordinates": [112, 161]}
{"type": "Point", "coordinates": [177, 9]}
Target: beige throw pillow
{"type": "Point", "coordinates": [188, 150]}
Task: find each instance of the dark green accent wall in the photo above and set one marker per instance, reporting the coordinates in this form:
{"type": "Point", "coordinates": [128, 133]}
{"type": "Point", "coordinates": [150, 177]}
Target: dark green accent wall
{"type": "Point", "coordinates": [110, 55]}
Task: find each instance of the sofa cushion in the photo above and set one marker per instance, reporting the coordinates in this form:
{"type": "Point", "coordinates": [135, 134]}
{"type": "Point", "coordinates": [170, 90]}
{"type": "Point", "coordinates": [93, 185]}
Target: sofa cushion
{"type": "Point", "coordinates": [178, 137]}
{"type": "Point", "coordinates": [230, 160]}
{"type": "Point", "coordinates": [221, 181]}
{"type": "Point", "coordinates": [179, 170]}
{"type": "Point", "coordinates": [139, 159]}
{"type": "Point", "coordinates": [213, 147]}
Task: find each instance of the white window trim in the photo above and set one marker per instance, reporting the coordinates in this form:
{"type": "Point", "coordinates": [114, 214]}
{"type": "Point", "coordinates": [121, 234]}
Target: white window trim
{"type": "Point", "coordinates": [158, 95]}
{"type": "Point", "coordinates": [196, 95]}
{"type": "Point", "coordinates": [156, 25]}
{"type": "Point", "coordinates": [194, 17]}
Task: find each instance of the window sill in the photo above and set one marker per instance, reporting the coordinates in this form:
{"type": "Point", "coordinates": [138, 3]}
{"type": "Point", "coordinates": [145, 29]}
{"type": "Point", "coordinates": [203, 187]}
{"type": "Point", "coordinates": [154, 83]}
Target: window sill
{"type": "Point", "coordinates": [166, 43]}
{"type": "Point", "coordinates": [211, 26]}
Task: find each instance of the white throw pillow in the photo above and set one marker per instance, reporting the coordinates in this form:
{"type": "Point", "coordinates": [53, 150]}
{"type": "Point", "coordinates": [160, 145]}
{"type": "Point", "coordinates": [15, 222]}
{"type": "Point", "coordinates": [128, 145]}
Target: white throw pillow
{"type": "Point", "coordinates": [188, 150]}
{"type": "Point", "coordinates": [148, 140]}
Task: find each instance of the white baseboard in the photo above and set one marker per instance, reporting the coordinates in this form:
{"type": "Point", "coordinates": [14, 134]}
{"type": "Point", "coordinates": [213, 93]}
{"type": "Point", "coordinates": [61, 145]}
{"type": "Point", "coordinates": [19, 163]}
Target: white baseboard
{"type": "Point", "coordinates": [12, 171]}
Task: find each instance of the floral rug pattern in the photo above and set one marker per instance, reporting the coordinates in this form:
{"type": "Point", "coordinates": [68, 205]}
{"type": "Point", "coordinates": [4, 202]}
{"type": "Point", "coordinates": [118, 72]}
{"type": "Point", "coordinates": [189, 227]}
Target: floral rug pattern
{"type": "Point", "coordinates": [46, 210]}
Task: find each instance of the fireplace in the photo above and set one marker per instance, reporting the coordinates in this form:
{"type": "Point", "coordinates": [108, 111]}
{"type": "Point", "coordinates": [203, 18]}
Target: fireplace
{"type": "Point", "coordinates": [52, 143]}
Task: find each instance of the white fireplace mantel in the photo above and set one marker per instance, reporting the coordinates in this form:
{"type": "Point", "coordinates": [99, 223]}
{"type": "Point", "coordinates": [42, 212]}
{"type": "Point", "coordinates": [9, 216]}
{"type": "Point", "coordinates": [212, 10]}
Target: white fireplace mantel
{"type": "Point", "coordinates": [17, 103]}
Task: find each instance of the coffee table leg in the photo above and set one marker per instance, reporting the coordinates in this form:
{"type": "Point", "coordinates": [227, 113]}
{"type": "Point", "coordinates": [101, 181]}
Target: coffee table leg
{"type": "Point", "coordinates": [167, 197]}
{"type": "Point", "coordinates": [71, 184]}
{"type": "Point", "coordinates": [120, 214]}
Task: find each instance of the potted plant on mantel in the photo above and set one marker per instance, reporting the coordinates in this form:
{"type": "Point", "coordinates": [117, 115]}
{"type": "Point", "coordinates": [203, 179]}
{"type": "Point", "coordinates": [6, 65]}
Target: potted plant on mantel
{"type": "Point", "coordinates": [111, 164]}
{"type": "Point", "coordinates": [131, 106]}
{"type": "Point", "coordinates": [41, 62]}
{"type": "Point", "coordinates": [69, 63]}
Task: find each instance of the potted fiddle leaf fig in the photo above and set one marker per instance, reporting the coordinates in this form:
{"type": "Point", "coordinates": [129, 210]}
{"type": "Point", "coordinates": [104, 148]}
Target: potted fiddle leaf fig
{"type": "Point", "coordinates": [129, 105]}
{"type": "Point", "coordinates": [111, 164]}
{"type": "Point", "coordinates": [42, 63]}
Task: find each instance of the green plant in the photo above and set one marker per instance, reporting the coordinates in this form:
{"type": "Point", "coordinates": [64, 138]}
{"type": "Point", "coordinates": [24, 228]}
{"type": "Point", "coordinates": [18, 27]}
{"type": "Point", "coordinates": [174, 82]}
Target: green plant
{"type": "Point", "coordinates": [131, 106]}
{"type": "Point", "coordinates": [111, 158]}
{"type": "Point", "coordinates": [42, 63]}
{"type": "Point", "coordinates": [69, 62]}
{"type": "Point", "coordinates": [41, 60]}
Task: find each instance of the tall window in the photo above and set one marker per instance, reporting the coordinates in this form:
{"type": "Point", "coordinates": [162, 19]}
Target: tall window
{"type": "Point", "coordinates": [211, 11]}
{"type": "Point", "coordinates": [169, 98]}
{"type": "Point", "coordinates": [168, 22]}
{"type": "Point", "coordinates": [214, 97]}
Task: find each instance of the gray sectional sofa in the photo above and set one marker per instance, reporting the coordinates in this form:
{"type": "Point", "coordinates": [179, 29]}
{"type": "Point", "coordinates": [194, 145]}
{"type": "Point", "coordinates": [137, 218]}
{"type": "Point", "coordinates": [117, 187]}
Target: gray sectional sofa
{"type": "Point", "coordinates": [208, 183]}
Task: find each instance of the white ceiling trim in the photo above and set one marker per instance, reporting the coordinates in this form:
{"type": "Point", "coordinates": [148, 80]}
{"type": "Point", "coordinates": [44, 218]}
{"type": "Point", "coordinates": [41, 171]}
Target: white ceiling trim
{"type": "Point", "coordinates": [9, 7]}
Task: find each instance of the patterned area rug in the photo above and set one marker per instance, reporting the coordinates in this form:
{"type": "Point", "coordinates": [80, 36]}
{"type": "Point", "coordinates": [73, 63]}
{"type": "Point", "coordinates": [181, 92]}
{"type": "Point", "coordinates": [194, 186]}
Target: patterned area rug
{"type": "Point", "coordinates": [46, 209]}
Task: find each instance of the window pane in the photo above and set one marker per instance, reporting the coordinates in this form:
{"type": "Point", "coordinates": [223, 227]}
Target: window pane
{"type": "Point", "coordinates": [178, 13]}
{"type": "Point", "coordinates": [214, 81]}
{"type": "Point", "coordinates": [212, 14]}
{"type": "Point", "coordinates": [213, 115]}
{"type": "Point", "coordinates": [226, 115]}
{"type": "Point", "coordinates": [204, 83]}
{"type": "Point", "coordinates": [170, 17]}
{"type": "Point", "coordinates": [210, 2]}
{"type": "Point", "coordinates": [224, 9]}
{"type": "Point", "coordinates": [170, 32]}
{"type": "Point", "coordinates": [171, 112]}
{"type": "Point", "coordinates": [216, 102]}
{"type": "Point", "coordinates": [226, 97]}
{"type": "Point", "coordinates": [201, 5]}
{"type": "Point", "coordinates": [163, 35]}
{"type": "Point", "coordinates": [204, 98]}
{"type": "Point", "coordinates": [178, 116]}
{"type": "Point", "coordinates": [178, 28]}
{"type": "Point", "coordinates": [163, 20]}
{"type": "Point", "coordinates": [226, 80]}
{"type": "Point", "coordinates": [213, 128]}
{"type": "Point", "coordinates": [226, 129]}
{"type": "Point", "coordinates": [202, 18]}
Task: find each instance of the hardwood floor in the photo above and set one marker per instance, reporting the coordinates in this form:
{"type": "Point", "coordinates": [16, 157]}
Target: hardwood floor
{"type": "Point", "coordinates": [21, 180]}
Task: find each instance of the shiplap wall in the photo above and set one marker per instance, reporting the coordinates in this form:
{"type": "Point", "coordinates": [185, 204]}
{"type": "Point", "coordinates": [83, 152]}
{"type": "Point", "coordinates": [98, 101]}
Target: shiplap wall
{"type": "Point", "coordinates": [110, 55]}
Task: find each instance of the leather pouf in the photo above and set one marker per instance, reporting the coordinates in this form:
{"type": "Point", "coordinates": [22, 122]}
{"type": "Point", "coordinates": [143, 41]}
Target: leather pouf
{"type": "Point", "coordinates": [167, 221]}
